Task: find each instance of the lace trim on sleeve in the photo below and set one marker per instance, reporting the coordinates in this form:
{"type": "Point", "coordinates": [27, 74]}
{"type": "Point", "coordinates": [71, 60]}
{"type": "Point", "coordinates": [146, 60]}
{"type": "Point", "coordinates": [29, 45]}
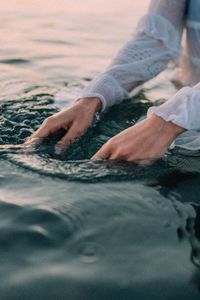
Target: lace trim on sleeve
{"type": "Point", "coordinates": [159, 28]}
{"type": "Point", "coordinates": [155, 42]}
{"type": "Point", "coordinates": [182, 109]}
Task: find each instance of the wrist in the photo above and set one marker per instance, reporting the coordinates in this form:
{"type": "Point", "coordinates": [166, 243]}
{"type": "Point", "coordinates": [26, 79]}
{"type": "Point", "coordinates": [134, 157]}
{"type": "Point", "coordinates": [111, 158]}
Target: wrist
{"type": "Point", "coordinates": [169, 128]}
{"type": "Point", "coordinates": [92, 103]}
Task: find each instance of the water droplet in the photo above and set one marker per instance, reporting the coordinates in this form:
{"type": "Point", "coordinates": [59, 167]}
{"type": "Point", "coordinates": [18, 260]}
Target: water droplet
{"type": "Point", "coordinates": [89, 253]}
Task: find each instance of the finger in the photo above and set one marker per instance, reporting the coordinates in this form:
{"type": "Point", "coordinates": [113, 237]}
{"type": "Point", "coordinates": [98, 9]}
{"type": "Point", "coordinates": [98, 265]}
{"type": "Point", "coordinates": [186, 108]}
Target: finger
{"type": "Point", "coordinates": [103, 153]}
{"type": "Point", "coordinates": [117, 155]}
{"type": "Point", "coordinates": [47, 127]}
{"type": "Point", "coordinates": [32, 143]}
{"type": "Point", "coordinates": [75, 131]}
{"type": "Point", "coordinates": [144, 163]}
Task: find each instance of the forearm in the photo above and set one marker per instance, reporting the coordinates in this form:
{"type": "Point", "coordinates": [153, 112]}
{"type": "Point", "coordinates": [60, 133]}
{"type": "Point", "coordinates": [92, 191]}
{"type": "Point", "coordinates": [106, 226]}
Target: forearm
{"type": "Point", "coordinates": [141, 59]}
{"type": "Point", "coordinates": [155, 42]}
{"type": "Point", "coordinates": [94, 106]}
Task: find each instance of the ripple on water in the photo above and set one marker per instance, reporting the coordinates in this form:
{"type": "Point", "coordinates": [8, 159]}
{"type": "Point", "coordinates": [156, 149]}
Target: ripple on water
{"type": "Point", "coordinates": [89, 252]}
{"type": "Point", "coordinates": [95, 242]}
{"type": "Point", "coordinates": [36, 227]}
{"type": "Point", "coordinates": [22, 116]}
{"type": "Point", "coordinates": [14, 61]}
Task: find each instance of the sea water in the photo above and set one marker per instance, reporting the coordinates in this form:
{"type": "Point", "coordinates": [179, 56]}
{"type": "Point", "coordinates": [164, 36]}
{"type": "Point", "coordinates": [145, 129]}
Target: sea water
{"type": "Point", "coordinates": [71, 228]}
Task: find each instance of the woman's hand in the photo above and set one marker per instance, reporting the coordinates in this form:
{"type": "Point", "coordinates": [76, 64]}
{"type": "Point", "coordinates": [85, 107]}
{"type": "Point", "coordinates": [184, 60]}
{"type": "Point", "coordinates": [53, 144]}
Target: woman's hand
{"type": "Point", "coordinates": [74, 119]}
{"type": "Point", "coordinates": [147, 140]}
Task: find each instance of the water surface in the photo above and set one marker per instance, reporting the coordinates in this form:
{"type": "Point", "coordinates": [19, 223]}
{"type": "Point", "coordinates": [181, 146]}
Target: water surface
{"type": "Point", "coordinates": [71, 228]}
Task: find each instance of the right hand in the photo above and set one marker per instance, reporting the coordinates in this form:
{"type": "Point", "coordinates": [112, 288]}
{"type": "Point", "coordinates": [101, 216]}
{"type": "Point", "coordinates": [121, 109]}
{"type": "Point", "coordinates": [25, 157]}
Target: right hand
{"type": "Point", "coordinates": [75, 119]}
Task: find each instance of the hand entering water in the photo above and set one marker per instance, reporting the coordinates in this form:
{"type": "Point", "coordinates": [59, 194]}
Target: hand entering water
{"type": "Point", "coordinates": [147, 140]}
{"type": "Point", "coordinates": [74, 119]}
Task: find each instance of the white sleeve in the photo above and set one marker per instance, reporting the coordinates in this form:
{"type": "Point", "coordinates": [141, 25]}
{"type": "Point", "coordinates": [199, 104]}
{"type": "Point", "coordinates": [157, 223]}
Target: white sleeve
{"type": "Point", "coordinates": [155, 42]}
{"type": "Point", "coordinates": [189, 72]}
{"type": "Point", "coordinates": [183, 109]}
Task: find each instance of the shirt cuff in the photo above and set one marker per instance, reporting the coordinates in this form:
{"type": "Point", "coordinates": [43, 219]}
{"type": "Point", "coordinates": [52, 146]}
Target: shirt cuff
{"type": "Point", "coordinates": [183, 109]}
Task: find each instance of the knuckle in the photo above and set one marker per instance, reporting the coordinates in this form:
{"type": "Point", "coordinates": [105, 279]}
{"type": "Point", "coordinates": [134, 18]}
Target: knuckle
{"type": "Point", "coordinates": [120, 151]}
{"type": "Point", "coordinates": [110, 143]}
{"type": "Point", "coordinates": [49, 121]}
{"type": "Point", "coordinates": [79, 131]}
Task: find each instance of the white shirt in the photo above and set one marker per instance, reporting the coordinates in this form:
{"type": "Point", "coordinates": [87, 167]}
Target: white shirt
{"type": "Point", "coordinates": [156, 41]}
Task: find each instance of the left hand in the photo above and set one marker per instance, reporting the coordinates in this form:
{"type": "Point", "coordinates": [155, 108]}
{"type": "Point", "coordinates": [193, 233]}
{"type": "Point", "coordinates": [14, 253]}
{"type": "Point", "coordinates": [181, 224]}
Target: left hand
{"type": "Point", "coordinates": [146, 140]}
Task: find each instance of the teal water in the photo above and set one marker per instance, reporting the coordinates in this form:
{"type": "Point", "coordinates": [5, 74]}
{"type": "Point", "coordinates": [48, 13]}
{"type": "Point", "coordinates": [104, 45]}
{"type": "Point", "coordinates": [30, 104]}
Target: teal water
{"type": "Point", "coordinates": [71, 228]}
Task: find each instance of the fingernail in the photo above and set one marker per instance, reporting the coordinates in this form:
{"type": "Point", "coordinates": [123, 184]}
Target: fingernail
{"type": "Point", "coordinates": [95, 158]}
{"type": "Point", "coordinates": [58, 150]}
{"type": "Point", "coordinates": [33, 142]}
{"type": "Point", "coordinates": [28, 138]}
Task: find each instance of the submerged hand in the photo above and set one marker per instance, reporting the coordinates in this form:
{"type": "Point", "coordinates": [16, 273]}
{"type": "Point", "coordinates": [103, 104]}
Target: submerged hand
{"type": "Point", "coordinates": [74, 119]}
{"type": "Point", "coordinates": [147, 140]}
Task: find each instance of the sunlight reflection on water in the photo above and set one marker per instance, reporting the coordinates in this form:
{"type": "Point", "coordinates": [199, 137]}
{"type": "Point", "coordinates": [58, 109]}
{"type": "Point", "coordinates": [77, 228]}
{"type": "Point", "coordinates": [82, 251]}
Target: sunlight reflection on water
{"type": "Point", "coordinates": [51, 33]}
